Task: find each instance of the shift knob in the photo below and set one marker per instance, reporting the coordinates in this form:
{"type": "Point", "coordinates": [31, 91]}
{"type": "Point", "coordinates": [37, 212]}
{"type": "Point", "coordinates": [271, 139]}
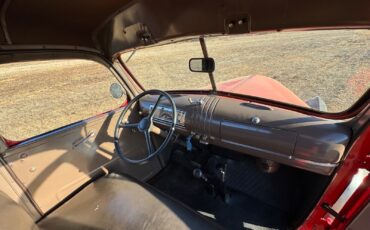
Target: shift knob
{"type": "Point", "coordinates": [198, 173]}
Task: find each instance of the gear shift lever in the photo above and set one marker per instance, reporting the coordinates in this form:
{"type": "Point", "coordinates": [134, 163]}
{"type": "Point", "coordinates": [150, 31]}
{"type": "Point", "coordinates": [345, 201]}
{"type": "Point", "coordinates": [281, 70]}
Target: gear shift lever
{"type": "Point", "coordinates": [198, 173]}
{"type": "Point", "coordinates": [214, 188]}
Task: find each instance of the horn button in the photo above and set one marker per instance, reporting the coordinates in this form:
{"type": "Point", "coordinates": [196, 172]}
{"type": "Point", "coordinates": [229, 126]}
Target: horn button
{"type": "Point", "coordinates": [144, 124]}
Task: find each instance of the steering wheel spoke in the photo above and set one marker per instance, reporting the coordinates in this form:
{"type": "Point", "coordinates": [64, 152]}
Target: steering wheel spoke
{"type": "Point", "coordinates": [129, 125]}
{"type": "Point", "coordinates": [149, 144]}
{"type": "Point", "coordinates": [155, 107]}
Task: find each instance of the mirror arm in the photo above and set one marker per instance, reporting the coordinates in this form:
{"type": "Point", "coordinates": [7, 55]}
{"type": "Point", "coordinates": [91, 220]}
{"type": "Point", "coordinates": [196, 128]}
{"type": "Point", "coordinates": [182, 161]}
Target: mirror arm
{"type": "Point", "coordinates": [205, 54]}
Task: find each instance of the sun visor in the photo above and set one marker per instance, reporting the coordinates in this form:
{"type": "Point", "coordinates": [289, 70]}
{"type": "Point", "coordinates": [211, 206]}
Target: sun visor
{"type": "Point", "coordinates": [146, 22]}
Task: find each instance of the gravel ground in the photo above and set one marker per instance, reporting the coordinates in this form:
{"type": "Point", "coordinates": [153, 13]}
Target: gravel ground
{"type": "Point", "coordinates": [43, 95]}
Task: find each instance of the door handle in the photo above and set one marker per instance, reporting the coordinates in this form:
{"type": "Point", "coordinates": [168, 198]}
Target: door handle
{"type": "Point", "coordinates": [83, 140]}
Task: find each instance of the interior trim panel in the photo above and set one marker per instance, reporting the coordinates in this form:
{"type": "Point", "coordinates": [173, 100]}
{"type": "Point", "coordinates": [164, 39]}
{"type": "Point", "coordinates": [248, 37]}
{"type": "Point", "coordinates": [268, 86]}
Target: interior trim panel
{"type": "Point", "coordinates": [53, 165]}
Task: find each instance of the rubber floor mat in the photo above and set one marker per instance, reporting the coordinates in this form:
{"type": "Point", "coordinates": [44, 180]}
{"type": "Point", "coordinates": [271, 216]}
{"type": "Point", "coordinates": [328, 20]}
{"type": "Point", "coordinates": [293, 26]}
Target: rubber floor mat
{"type": "Point", "coordinates": [241, 212]}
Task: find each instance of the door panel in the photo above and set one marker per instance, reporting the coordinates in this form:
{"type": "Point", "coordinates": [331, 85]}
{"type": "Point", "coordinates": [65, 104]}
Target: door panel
{"type": "Point", "coordinates": [53, 166]}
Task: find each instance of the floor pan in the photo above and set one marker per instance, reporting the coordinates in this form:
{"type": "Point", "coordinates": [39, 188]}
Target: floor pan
{"type": "Point", "coordinates": [240, 212]}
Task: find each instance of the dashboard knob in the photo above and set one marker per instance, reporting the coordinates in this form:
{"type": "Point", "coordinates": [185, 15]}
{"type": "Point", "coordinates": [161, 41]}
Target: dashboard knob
{"type": "Point", "coordinates": [256, 120]}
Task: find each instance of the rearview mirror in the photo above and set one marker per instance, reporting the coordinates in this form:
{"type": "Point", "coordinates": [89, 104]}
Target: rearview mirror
{"type": "Point", "coordinates": [204, 65]}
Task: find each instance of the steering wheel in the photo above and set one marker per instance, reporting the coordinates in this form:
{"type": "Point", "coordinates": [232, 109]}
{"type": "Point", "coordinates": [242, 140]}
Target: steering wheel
{"type": "Point", "coordinates": [144, 126]}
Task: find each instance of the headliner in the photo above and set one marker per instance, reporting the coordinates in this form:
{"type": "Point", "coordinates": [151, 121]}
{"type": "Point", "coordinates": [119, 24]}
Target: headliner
{"type": "Point", "coordinates": [111, 26]}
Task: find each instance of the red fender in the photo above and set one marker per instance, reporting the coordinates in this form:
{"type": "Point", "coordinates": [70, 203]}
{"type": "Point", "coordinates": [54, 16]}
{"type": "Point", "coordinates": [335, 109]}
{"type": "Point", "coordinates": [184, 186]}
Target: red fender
{"type": "Point", "coordinates": [261, 86]}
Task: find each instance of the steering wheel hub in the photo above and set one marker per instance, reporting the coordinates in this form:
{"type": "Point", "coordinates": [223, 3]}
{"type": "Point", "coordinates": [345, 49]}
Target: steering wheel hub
{"type": "Point", "coordinates": [144, 124]}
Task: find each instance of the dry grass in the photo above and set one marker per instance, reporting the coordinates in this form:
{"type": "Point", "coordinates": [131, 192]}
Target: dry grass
{"type": "Point", "coordinates": [332, 64]}
{"type": "Point", "coordinates": [40, 96]}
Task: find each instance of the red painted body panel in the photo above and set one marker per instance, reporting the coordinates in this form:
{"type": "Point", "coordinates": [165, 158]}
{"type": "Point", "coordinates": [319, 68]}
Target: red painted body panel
{"type": "Point", "coordinates": [10, 143]}
{"type": "Point", "coordinates": [261, 86]}
{"type": "Point", "coordinates": [358, 157]}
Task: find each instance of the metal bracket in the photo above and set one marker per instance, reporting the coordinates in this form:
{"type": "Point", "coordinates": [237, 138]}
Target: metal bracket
{"type": "Point", "coordinates": [238, 24]}
{"type": "Point", "coordinates": [136, 35]}
{"type": "Point", "coordinates": [205, 54]}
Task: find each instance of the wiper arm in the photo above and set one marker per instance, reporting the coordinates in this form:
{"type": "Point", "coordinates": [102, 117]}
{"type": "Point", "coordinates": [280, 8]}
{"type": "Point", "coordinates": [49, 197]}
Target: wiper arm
{"type": "Point", "coordinates": [205, 54]}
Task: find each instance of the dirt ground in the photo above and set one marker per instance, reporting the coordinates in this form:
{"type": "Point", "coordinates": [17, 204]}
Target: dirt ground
{"type": "Point", "coordinates": [334, 65]}
{"type": "Point", "coordinates": [43, 95]}
{"type": "Point", "coordinates": [40, 96]}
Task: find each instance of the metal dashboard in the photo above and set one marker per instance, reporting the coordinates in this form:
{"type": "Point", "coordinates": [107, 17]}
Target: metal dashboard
{"type": "Point", "coordinates": [285, 136]}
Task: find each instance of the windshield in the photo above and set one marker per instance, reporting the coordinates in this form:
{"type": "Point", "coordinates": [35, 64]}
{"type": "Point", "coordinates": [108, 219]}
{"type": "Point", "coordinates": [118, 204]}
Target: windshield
{"type": "Point", "coordinates": [323, 70]}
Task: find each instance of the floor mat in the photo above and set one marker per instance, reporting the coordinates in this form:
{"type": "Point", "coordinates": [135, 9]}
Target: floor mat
{"type": "Point", "coordinates": [241, 212]}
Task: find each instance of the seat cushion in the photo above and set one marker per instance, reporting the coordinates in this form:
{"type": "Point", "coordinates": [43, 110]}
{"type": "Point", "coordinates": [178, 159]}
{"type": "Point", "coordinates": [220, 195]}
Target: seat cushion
{"type": "Point", "coordinates": [117, 202]}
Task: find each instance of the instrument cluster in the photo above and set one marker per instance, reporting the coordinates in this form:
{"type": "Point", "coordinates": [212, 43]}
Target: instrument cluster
{"type": "Point", "coordinates": [164, 114]}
